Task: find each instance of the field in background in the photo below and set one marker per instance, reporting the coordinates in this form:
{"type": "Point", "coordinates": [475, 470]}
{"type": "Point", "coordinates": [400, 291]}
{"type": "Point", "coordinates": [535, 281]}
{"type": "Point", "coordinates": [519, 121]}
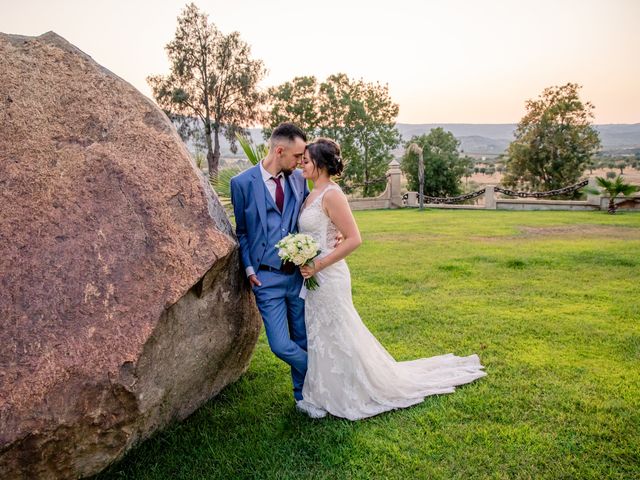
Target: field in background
{"type": "Point", "coordinates": [630, 176]}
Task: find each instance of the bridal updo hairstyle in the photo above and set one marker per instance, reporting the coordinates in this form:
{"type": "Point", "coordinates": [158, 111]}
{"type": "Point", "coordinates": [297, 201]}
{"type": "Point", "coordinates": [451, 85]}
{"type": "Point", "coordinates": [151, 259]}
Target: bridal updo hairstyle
{"type": "Point", "coordinates": [325, 153]}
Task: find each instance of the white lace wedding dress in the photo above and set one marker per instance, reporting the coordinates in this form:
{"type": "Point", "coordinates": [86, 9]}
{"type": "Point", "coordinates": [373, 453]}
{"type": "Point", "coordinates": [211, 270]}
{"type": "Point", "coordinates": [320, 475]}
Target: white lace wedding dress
{"type": "Point", "coordinates": [350, 374]}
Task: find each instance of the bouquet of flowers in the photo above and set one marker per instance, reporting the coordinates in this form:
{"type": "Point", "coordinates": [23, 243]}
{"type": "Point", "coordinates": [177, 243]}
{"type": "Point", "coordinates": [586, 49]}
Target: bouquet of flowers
{"type": "Point", "coordinates": [300, 249]}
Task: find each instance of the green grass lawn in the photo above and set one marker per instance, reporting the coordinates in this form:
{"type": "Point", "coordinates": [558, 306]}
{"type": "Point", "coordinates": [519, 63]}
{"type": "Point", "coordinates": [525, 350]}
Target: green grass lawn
{"type": "Point", "coordinates": [549, 300]}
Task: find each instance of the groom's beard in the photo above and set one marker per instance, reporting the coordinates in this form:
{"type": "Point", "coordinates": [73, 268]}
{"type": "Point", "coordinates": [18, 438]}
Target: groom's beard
{"type": "Point", "coordinates": [287, 171]}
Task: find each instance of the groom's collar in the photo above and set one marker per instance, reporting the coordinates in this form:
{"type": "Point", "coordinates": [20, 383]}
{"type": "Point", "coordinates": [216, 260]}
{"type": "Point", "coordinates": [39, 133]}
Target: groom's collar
{"type": "Point", "coordinates": [266, 176]}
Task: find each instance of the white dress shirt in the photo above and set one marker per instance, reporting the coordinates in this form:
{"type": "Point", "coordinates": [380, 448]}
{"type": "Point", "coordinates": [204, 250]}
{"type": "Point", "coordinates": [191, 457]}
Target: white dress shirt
{"type": "Point", "coordinates": [271, 185]}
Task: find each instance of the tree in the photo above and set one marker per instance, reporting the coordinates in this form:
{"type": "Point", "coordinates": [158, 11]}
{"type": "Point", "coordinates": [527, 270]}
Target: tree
{"type": "Point", "coordinates": [360, 116]}
{"type": "Point", "coordinates": [334, 97]}
{"type": "Point", "coordinates": [613, 188]}
{"type": "Point", "coordinates": [367, 134]}
{"type": "Point", "coordinates": [295, 101]}
{"type": "Point", "coordinates": [443, 165]}
{"type": "Point", "coordinates": [213, 78]}
{"type": "Point", "coordinates": [554, 141]}
{"type": "Point", "coordinates": [467, 174]}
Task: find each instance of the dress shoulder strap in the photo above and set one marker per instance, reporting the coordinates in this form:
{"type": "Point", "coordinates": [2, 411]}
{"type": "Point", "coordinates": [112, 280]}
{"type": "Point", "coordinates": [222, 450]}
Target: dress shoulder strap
{"type": "Point", "coordinates": [331, 186]}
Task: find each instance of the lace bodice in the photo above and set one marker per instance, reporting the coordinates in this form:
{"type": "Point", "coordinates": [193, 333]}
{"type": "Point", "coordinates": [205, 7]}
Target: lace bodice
{"type": "Point", "coordinates": [315, 222]}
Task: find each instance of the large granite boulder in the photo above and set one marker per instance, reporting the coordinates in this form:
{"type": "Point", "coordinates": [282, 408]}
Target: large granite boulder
{"type": "Point", "coordinates": [122, 307]}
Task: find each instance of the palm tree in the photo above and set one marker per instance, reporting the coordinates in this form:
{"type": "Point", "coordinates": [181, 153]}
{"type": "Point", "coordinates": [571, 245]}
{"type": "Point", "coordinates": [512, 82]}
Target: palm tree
{"type": "Point", "coordinates": [613, 189]}
{"type": "Point", "coordinates": [254, 153]}
{"type": "Point", "coordinates": [221, 183]}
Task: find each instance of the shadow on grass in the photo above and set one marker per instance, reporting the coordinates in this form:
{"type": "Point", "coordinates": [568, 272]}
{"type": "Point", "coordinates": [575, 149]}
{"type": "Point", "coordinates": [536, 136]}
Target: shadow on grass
{"type": "Point", "coordinates": [251, 429]}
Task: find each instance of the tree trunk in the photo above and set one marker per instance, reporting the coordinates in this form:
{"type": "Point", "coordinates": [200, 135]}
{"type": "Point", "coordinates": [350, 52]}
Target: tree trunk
{"type": "Point", "coordinates": [612, 206]}
{"type": "Point", "coordinates": [365, 193]}
{"type": "Point", "coordinates": [216, 150]}
{"type": "Point", "coordinates": [212, 166]}
{"type": "Point", "coordinates": [421, 179]}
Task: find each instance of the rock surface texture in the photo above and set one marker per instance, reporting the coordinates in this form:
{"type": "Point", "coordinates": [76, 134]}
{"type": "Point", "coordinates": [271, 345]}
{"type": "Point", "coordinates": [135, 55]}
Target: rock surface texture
{"type": "Point", "coordinates": [122, 307]}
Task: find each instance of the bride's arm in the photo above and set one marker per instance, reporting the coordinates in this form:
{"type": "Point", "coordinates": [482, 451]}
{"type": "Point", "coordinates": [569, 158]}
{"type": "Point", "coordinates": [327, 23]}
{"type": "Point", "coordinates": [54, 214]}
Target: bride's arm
{"type": "Point", "coordinates": [337, 207]}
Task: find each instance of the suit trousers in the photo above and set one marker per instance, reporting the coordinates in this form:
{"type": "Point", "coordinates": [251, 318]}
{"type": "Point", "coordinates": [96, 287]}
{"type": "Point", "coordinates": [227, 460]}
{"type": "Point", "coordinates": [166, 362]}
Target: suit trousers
{"type": "Point", "coordinates": [282, 312]}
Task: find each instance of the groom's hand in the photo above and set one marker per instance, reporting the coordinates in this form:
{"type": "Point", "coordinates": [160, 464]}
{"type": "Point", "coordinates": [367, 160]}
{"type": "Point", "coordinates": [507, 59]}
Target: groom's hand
{"type": "Point", "coordinates": [253, 280]}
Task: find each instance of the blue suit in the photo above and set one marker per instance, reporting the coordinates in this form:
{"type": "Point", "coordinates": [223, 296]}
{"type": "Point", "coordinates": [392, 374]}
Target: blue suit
{"type": "Point", "coordinates": [259, 226]}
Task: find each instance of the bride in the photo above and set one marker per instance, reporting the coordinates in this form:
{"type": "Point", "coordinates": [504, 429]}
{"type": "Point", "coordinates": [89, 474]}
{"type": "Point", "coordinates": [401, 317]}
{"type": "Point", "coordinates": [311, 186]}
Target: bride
{"type": "Point", "coordinates": [350, 374]}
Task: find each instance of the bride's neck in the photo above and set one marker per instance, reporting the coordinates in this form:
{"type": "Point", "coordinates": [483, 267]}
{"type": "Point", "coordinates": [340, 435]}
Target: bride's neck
{"type": "Point", "coordinates": [321, 182]}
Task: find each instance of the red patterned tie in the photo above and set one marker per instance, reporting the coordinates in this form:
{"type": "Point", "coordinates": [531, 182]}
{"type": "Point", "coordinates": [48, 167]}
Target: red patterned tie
{"type": "Point", "coordinates": [279, 193]}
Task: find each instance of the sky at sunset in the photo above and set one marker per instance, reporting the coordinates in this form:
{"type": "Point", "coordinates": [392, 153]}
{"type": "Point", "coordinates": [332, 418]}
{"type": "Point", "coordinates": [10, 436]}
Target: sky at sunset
{"type": "Point", "coordinates": [457, 61]}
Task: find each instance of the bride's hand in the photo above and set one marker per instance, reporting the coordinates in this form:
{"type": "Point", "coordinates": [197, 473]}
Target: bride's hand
{"type": "Point", "coordinates": [309, 270]}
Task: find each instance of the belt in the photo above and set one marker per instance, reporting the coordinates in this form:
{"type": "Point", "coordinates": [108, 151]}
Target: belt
{"type": "Point", "coordinates": [287, 268]}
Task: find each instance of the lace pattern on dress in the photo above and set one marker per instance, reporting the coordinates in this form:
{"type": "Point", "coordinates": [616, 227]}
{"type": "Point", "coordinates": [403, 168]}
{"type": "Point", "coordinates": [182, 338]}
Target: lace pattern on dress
{"type": "Point", "coordinates": [350, 374]}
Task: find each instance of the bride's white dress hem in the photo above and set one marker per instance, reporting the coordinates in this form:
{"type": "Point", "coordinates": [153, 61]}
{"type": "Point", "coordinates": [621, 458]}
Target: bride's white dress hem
{"type": "Point", "coordinates": [350, 374]}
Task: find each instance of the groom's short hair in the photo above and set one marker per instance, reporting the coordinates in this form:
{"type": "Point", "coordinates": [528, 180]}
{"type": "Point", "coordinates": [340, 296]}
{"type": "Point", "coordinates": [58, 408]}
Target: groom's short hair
{"type": "Point", "coordinates": [288, 131]}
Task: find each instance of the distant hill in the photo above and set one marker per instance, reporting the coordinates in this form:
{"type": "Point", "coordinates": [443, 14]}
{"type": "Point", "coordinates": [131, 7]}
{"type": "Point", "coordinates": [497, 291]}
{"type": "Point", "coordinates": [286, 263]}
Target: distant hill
{"type": "Point", "coordinates": [475, 139]}
{"type": "Point", "coordinates": [493, 139]}
{"type": "Point", "coordinates": [488, 139]}
{"type": "Point", "coordinates": [619, 136]}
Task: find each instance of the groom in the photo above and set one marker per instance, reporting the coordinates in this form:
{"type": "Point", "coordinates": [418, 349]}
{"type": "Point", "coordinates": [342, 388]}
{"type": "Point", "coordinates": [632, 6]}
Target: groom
{"type": "Point", "coordinates": [266, 202]}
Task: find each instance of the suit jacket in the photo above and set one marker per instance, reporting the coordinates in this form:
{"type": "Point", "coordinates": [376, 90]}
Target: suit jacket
{"type": "Point", "coordinates": [249, 197]}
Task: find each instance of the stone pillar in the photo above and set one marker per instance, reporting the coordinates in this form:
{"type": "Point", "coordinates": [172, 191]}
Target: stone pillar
{"type": "Point", "coordinates": [394, 174]}
{"type": "Point", "coordinates": [412, 199]}
{"type": "Point", "coordinates": [490, 197]}
{"type": "Point", "coordinates": [591, 198]}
